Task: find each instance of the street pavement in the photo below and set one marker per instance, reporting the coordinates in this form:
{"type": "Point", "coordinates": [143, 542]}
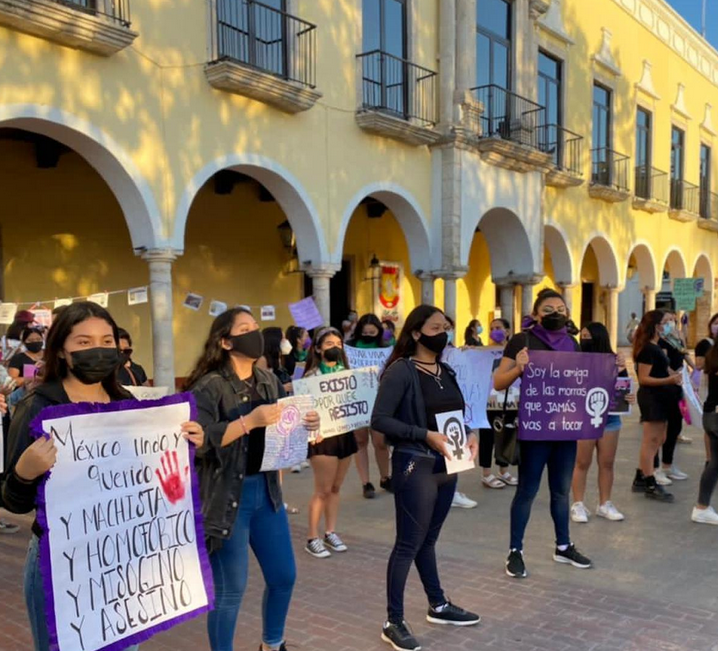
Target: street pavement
{"type": "Point", "coordinates": [654, 586]}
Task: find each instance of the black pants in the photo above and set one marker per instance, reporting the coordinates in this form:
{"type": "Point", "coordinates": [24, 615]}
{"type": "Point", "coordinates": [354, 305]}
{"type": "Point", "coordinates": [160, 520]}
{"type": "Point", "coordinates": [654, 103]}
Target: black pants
{"type": "Point", "coordinates": [675, 427]}
{"type": "Point", "coordinates": [486, 448]}
{"type": "Point", "coordinates": [422, 496]}
{"type": "Point", "coordinates": [709, 478]}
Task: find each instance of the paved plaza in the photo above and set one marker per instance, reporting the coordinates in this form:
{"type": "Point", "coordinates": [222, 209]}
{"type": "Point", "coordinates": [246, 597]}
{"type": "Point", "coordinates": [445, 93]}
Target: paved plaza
{"type": "Point", "coordinates": [654, 586]}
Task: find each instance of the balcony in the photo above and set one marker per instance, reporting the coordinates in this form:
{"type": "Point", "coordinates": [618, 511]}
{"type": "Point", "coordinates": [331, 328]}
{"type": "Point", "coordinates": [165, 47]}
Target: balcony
{"type": "Point", "coordinates": [685, 201]}
{"type": "Point", "coordinates": [609, 175]}
{"type": "Point", "coordinates": [510, 130]}
{"type": "Point", "coordinates": [263, 53]}
{"type": "Point", "coordinates": [651, 189]}
{"type": "Point", "coordinates": [97, 26]}
{"type": "Point", "coordinates": [398, 99]}
{"type": "Point", "coordinates": [708, 211]}
{"type": "Point", "coordinates": [565, 148]}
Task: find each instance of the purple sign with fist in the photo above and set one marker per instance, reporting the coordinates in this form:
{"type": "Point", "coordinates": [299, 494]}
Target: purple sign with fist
{"type": "Point", "coordinates": [565, 396]}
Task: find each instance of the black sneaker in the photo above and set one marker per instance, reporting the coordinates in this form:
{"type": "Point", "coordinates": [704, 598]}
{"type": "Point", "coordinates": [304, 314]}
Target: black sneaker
{"type": "Point", "coordinates": [449, 614]}
{"type": "Point", "coordinates": [573, 556]}
{"type": "Point", "coordinates": [639, 482]}
{"type": "Point", "coordinates": [399, 636]}
{"type": "Point", "coordinates": [515, 566]}
{"type": "Point", "coordinates": [654, 491]}
{"type": "Point", "coordinates": [386, 484]}
{"type": "Point", "coordinates": [369, 491]}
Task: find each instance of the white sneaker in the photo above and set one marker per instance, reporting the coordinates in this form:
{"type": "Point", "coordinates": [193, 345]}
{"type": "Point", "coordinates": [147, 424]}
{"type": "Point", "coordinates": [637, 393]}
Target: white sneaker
{"type": "Point", "coordinates": [304, 465]}
{"type": "Point", "coordinates": [316, 548]}
{"type": "Point", "coordinates": [334, 542]}
{"type": "Point", "coordinates": [704, 516]}
{"type": "Point", "coordinates": [661, 477]}
{"type": "Point", "coordinates": [676, 473]}
{"type": "Point", "coordinates": [609, 511]}
{"type": "Point", "coordinates": [460, 501]}
{"type": "Point", "coordinates": [579, 513]}
{"type": "Point", "coordinates": [297, 468]}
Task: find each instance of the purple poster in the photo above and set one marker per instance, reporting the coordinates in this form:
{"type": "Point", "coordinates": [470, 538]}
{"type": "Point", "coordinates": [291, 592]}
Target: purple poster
{"type": "Point", "coordinates": [565, 396]}
{"type": "Point", "coordinates": [306, 314]}
{"type": "Point", "coordinates": [123, 554]}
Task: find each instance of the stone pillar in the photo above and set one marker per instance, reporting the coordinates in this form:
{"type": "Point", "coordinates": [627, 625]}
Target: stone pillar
{"type": "Point", "coordinates": [650, 299]}
{"type": "Point", "coordinates": [465, 46]}
{"type": "Point", "coordinates": [612, 298]}
{"type": "Point", "coordinates": [567, 291]}
{"type": "Point", "coordinates": [163, 354]}
{"type": "Point", "coordinates": [450, 298]}
{"type": "Point", "coordinates": [447, 62]}
{"type": "Point", "coordinates": [506, 303]}
{"type": "Point", "coordinates": [527, 300]}
{"type": "Point", "coordinates": [320, 290]}
{"type": "Point", "coordinates": [427, 287]}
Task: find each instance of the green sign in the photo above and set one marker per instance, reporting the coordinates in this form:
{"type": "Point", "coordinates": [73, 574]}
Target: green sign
{"type": "Point", "coordinates": [700, 285]}
{"type": "Point", "coordinates": [684, 293]}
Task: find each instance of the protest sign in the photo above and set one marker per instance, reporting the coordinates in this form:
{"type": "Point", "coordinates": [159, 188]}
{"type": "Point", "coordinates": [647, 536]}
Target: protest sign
{"type": "Point", "coordinates": [684, 293]}
{"type": "Point", "coordinates": [123, 554]}
{"type": "Point", "coordinates": [363, 357]}
{"type": "Point", "coordinates": [147, 393]}
{"type": "Point", "coordinates": [299, 370]}
{"type": "Point", "coordinates": [305, 313]}
{"type": "Point", "coordinates": [137, 296]}
{"type": "Point", "coordinates": [7, 313]}
{"type": "Point", "coordinates": [473, 373]}
{"type": "Point", "coordinates": [285, 444]}
{"type": "Point", "coordinates": [43, 317]}
{"type": "Point", "coordinates": [451, 424]}
{"type": "Point", "coordinates": [565, 396]}
{"type": "Point", "coordinates": [29, 371]}
{"type": "Point", "coordinates": [267, 313]}
{"type": "Point", "coordinates": [693, 403]}
{"type": "Point", "coordinates": [344, 400]}
{"type": "Point", "coordinates": [619, 405]}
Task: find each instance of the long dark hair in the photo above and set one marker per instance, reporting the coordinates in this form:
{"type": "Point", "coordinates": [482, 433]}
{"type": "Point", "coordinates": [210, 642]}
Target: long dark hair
{"type": "Point", "coordinates": [710, 323]}
{"type": "Point", "coordinates": [56, 368]}
{"type": "Point", "coordinates": [405, 344]}
{"type": "Point", "coordinates": [293, 333]}
{"type": "Point", "coordinates": [314, 357]}
{"type": "Point", "coordinates": [368, 319]}
{"type": "Point", "coordinates": [469, 332]}
{"type": "Point", "coordinates": [272, 353]}
{"type": "Point", "coordinates": [647, 329]}
{"type": "Point", "coordinates": [600, 339]}
{"type": "Point", "coordinates": [214, 356]}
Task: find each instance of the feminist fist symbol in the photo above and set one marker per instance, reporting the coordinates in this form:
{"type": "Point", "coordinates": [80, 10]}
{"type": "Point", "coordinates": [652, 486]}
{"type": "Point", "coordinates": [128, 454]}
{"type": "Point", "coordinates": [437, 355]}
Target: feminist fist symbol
{"type": "Point", "coordinates": [170, 478]}
{"type": "Point", "coordinates": [596, 405]}
{"type": "Point", "coordinates": [454, 430]}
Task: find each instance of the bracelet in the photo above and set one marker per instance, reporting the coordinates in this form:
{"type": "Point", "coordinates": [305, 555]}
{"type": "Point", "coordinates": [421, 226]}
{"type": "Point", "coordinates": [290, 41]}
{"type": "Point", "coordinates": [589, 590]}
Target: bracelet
{"type": "Point", "coordinates": [244, 425]}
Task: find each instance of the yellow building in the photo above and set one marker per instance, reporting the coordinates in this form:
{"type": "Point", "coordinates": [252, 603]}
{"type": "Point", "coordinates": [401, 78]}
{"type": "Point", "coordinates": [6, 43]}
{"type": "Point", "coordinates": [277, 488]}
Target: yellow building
{"type": "Point", "coordinates": [255, 153]}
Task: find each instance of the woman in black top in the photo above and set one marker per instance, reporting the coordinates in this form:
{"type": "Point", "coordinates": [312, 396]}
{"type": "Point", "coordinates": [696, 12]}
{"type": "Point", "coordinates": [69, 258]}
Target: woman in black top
{"type": "Point", "coordinates": [129, 373]}
{"type": "Point", "coordinates": [33, 341]}
{"type": "Point", "coordinates": [414, 389]}
{"type": "Point", "coordinates": [702, 348]}
{"type": "Point", "coordinates": [547, 330]}
{"type": "Point", "coordinates": [659, 389]}
{"type": "Point", "coordinates": [271, 359]}
{"type": "Point", "coordinates": [703, 512]}
{"type": "Point", "coordinates": [300, 342]}
{"type": "Point", "coordinates": [472, 334]}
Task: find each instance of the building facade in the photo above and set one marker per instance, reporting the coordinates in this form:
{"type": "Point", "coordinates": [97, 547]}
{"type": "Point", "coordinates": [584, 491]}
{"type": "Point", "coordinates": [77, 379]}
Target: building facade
{"type": "Point", "coordinates": [256, 153]}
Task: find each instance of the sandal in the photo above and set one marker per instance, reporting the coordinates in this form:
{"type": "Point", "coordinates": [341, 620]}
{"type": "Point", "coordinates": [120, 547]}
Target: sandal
{"type": "Point", "coordinates": [492, 482]}
{"type": "Point", "coordinates": [508, 479]}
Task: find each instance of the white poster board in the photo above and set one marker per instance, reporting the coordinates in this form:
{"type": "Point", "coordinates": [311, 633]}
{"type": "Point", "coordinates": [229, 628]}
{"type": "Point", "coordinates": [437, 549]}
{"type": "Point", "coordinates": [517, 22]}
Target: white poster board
{"type": "Point", "coordinates": [285, 444]}
{"type": "Point", "coordinates": [473, 369]}
{"type": "Point", "coordinates": [451, 424]}
{"type": "Point", "coordinates": [363, 357]}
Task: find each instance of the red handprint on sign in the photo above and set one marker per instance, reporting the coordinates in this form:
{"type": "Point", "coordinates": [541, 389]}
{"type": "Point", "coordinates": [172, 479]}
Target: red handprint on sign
{"type": "Point", "coordinates": [171, 480]}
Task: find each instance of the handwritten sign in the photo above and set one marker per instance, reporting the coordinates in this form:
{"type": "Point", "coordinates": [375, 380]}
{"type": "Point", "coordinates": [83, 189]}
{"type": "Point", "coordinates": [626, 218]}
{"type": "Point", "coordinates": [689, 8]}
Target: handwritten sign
{"type": "Point", "coordinates": [565, 396]}
{"type": "Point", "coordinates": [306, 314]}
{"type": "Point", "coordinates": [123, 555]}
{"type": "Point", "coordinates": [147, 393]}
{"type": "Point", "coordinates": [7, 313]}
{"type": "Point", "coordinates": [285, 444]}
{"type": "Point", "coordinates": [344, 400]}
{"type": "Point", "coordinates": [363, 357]}
{"type": "Point", "coordinates": [684, 293]}
{"type": "Point", "coordinates": [619, 405]}
{"type": "Point", "coordinates": [451, 424]}
{"type": "Point", "coordinates": [473, 373]}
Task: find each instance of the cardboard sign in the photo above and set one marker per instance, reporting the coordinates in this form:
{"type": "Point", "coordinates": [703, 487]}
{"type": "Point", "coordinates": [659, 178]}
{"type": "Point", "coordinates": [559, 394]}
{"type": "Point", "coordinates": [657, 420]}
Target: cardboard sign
{"type": "Point", "coordinates": [123, 555]}
{"type": "Point", "coordinates": [451, 424]}
{"type": "Point", "coordinates": [285, 444]}
{"type": "Point", "coordinates": [565, 396]}
{"type": "Point", "coordinates": [473, 371]}
{"type": "Point", "coordinates": [364, 357]}
{"type": "Point", "coordinates": [306, 314]}
{"type": "Point", "coordinates": [344, 400]}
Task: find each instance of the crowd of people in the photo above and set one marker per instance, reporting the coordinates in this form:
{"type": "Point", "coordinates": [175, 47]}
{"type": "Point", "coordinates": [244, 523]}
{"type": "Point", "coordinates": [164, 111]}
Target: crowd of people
{"type": "Point", "coordinates": [242, 373]}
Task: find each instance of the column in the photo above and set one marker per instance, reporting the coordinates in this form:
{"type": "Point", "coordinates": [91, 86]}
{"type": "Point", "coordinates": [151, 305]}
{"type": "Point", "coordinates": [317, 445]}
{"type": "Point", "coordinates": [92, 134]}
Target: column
{"type": "Point", "coordinates": [163, 354]}
{"type": "Point", "coordinates": [447, 61]}
{"type": "Point", "coordinates": [465, 46]}
{"type": "Point", "coordinates": [450, 297]}
{"type": "Point", "coordinates": [427, 287]}
{"type": "Point", "coordinates": [649, 296]}
{"type": "Point", "coordinates": [320, 290]}
{"type": "Point", "coordinates": [613, 316]}
{"type": "Point", "coordinates": [527, 299]}
{"type": "Point", "coordinates": [506, 303]}
{"type": "Point", "coordinates": [567, 291]}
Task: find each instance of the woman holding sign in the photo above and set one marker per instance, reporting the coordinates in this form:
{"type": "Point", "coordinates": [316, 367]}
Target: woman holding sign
{"type": "Point", "coordinates": [417, 391]}
{"type": "Point", "coordinates": [331, 458]}
{"type": "Point", "coordinates": [242, 506]}
{"type": "Point", "coordinates": [547, 331]}
{"type": "Point", "coordinates": [81, 360]}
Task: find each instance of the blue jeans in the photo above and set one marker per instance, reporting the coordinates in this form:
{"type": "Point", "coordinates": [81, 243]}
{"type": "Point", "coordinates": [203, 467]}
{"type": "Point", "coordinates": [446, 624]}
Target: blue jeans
{"type": "Point", "coordinates": [35, 599]}
{"type": "Point", "coordinates": [560, 457]}
{"type": "Point", "coordinates": [267, 531]}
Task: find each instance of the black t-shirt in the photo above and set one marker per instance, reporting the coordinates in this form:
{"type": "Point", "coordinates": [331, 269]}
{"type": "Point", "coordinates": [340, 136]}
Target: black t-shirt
{"type": "Point", "coordinates": [654, 355]}
{"type": "Point", "coordinates": [709, 406]}
{"type": "Point", "coordinates": [703, 346]}
{"type": "Point", "coordinates": [675, 356]}
{"type": "Point", "coordinates": [528, 340]}
{"type": "Point", "coordinates": [19, 360]}
{"type": "Point", "coordinates": [255, 445]}
{"type": "Point", "coordinates": [138, 373]}
{"type": "Point", "coordinates": [439, 396]}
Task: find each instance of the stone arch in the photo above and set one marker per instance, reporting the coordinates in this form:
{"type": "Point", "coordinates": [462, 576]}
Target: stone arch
{"type": "Point", "coordinates": [556, 242]}
{"type": "Point", "coordinates": [608, 274]}
{"type": "Point", "coordinates": [104, 154]}
{"type": "Point", "coordinates": [407, 212]}
{"type": "Point", "coordinates": [286, 189]}
{"type": "Point", "coordinates": [645, 266]}
{"type": "Point", "coordinates": [509, 244]}
{"type": "Point", "coordinates": [702, 268]}
{"type": "Point", "coordinates": [675, 262]}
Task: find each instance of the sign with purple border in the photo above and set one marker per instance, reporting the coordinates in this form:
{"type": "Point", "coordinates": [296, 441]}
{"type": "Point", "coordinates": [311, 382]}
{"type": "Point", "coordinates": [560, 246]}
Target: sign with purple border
{"type": "Point", "coordinates": [565, 396]}
{"type": "Point", "coordinates": [123, 555]}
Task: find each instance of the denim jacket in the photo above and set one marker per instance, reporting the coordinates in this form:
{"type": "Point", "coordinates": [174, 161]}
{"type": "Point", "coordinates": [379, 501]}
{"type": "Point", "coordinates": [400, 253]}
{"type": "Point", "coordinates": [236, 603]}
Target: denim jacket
{"type": "Point", "coordinates": [222, 470]}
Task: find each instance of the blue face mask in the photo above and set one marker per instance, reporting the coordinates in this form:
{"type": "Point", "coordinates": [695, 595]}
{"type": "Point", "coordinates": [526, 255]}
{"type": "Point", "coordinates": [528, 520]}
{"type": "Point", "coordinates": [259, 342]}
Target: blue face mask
{"type": "Point", "coordinates": [479, 330]}
{"type": "Point", "coordinates": [668, 328]}
{"type": "Point", "coordinates": [450, 335]}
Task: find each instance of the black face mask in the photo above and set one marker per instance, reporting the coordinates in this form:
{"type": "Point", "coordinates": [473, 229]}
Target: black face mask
{"type": "Point", "coordinates": [94, 365]}
{"type": "Point", "coordinates": [333, 354]}
{"type": "Point", "coordinates": [367, 339]}
{"type": "Point", "coordinates": [554, 321]}
{"type": "Point", "coordinates": [435, 343]}
{"type": "Point", "coordinates": [586, 345]}
{"type": "Point", "coordinates": [571, 328]}
{"type": "Point", "coordinates": [34, 347]}
{"type": "Point", "coordinates": [250, 344]}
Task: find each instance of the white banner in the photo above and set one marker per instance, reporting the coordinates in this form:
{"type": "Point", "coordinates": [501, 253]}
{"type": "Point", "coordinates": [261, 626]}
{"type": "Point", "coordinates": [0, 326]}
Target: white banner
{"type": "Point", "coordinates": [473, 371]}
{"type": "Point", "coordinates": [363, 357]}
{"type": "Point", "coordinates": [344, 400]}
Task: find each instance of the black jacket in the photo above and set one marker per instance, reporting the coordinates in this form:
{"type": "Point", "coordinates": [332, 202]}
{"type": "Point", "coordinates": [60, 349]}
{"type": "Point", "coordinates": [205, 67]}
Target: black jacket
{"type": "Point", "coordinates": [221, 470]}
{"type": "Point", "coordinates": [19, 496]}
{"type": "Point", "coordinates": [399, 410]}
